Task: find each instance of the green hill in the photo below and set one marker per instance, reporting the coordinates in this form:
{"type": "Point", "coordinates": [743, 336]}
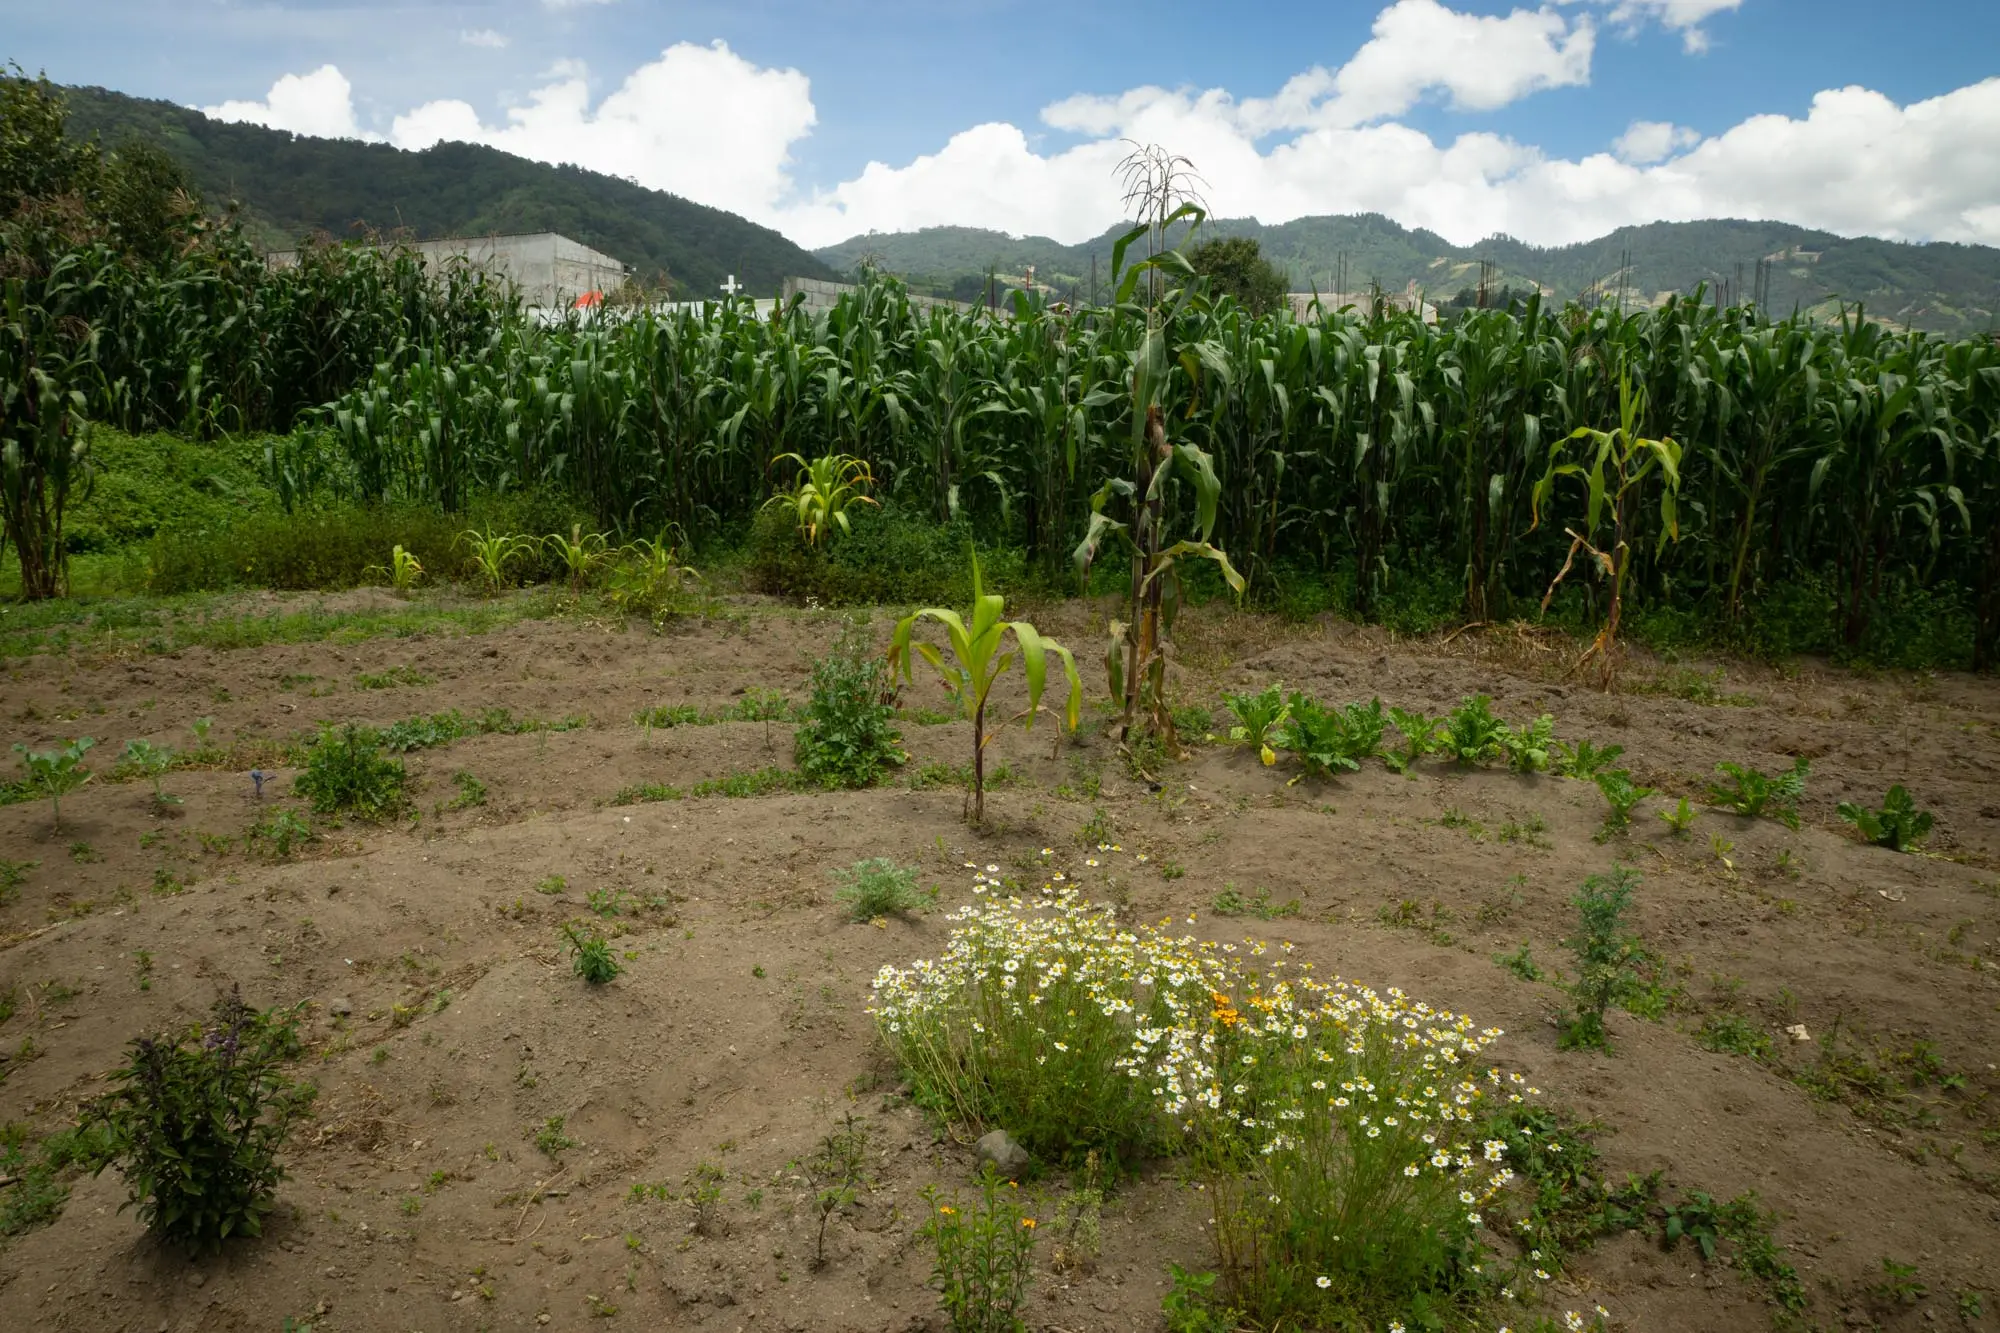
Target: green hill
{"type": "Point", "coordinates": [1944, 287]}
{"type": "Point", "coordinates": [291, 186]}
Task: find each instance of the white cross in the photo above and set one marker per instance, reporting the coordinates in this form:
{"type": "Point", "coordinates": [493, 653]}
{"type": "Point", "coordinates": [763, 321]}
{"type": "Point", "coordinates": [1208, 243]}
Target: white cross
{"type": "Point", "coordinates": [732, 286]}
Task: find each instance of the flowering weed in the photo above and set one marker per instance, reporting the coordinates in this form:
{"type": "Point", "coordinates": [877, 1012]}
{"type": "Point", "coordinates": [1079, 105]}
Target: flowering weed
{"type": "Point", "coordinates": [985, 1256]}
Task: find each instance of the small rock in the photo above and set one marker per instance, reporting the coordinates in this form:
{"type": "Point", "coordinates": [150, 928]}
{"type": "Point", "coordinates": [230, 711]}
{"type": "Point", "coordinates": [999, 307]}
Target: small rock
{"type": "Point", "coordinates": [998, 1147]}
{"type": "Point", "coordinates": [1797, 1032]}
{"type": "Point", "coordinates": [340, 1006]}
{"type": "Point", "coordinates": [541, 1318]}
{"type": "Point", "coordinates": [196, 1279]}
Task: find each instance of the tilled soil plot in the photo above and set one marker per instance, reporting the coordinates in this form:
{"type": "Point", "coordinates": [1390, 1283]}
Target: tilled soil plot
{"type": "Point", "coordinates": [445, 1028]}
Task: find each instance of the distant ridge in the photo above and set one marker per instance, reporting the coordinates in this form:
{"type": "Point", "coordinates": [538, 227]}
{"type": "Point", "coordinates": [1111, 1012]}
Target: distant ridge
{"type": "Point", "coordinates": [291, 186]}
{"type": "Point", "coordinates": [1943, 287]}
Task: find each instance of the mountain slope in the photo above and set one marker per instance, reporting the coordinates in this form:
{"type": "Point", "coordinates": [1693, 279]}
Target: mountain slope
{"type": "Point", "coordinates": [1943, 287]}
{"type": "Point", "coordinates": [291, 186]}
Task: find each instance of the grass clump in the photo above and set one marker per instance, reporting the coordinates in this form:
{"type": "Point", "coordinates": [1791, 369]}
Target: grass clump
{"type": "Point", "coordinates": [347, 773]}
{"type": "Point", "coordinates": [197, 1119]}
{"type": "Point", "coordinates": [877, 887]}
{"type": "Point", "coordinates": [848, 736]}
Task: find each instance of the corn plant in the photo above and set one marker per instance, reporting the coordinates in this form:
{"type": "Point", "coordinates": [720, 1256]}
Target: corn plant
{"type": "Point", "coordinates": [976, 663]}
{"type": "Point", "coordinates": [1260, 718]}
{"type": "Point", "coordinates": [1420, 734]}
{"type": "Point", "coordinates": [492, 554]}
{"type": "Point", "coordinates": [579, 554]}
{"type": "Point", "coordinates": [648, 579]}
{"type": "Point", "coordinates": [1620, 463]}
{"type": "Point", "coordinates": [823, 491]}
{"type": "Point", "coordinates": [153, 761]}
{"type": "Point", "coordinates": [1897, 825]}
{"type": "Point", "coordinates": [403, 570]}
{"type": "Point", "coordinates": [1752, 793]}
{"type": "Point", "coordinates": [56, 772]}
{"type": "Point", "coordinates": [1472, 735]}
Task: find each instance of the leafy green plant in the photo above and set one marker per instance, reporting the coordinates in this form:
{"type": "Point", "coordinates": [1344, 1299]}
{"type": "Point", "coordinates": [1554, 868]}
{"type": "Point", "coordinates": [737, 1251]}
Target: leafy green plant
{"type": "Point", "coordinates": [1731, 1034]}
{"type": "Point", "coordinates": [1898, 825]}
{"type": "Point", "coordinates": [1621, 796]}
{"type": "Point", "coordinates": [877, 887]}
{"type": "Point", "coordinates": [471, 791]}
{"type": "Point", "coordinates": [1680, 818]}
{"type": "Point", "coordinates": [834, 1174]}
{"type": "Point", "coordinates": [549, 1137]}
{"type": "Point", "coordinates": [1693, 1219]}
{"type": "Point", "coordinates": [197, 1119]}
{"type": "Point", "coordinates": [647, 579]}
{"type": "Point", "coordinates": [822, 493]}
{"type": "Point", "coordinates": [13, 874]}
{"type": "Point", "coordinates": [56, 773]}
{"type": "Point", "coordinates": [848, 736]}
{"type": "Point", "coordinates": [1191, 1304]}
{"type": "Point", "coordinates": [1531, 749]}
{"type": "Point", "coordinates": [281, 832]}
{"type": "Point", "coordinates": [1521, 963]}
{"type": "Point", "coordinates": [493, 553]}
{"type": "Point", "coordinates": [1260, 718]}
{"type": "Point", "coordinates": [590, 956]}
{"type": "Point", "coordinates": [1607, 955]}
{"type": "Point", "coordinates": [153, 761]}
{"type": "Point", "coordinates": [1584, 760]}
{"type": "Point", "coordinates": [1749, 792]}
{"type": "Point", "coordinates": [1472, 735]}
{"type": "Point", "coordinates": [579, 554]}
{"type": "Point", "coordinates": [1420, 737]}
{"type": "Point", "coordinates": [346, 772]}
{"type": "Point", "coordinates": [985, 1254]}
{"type": "Point", "coordinates": [1330, 740]}
{"type": "Point", "coordinates": [976, 663]}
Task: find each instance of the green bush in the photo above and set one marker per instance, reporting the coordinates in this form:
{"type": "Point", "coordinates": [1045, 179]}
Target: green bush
{"type": "Point", "coordinates": [1607, 955]}
{"type": "Point", "coordinates": [197, 1119]}
{"type": "Point", "coordinates": [346, 771]}
{"type": "Point", "coordinates": [893, 557]}
{"type": "Point", "coordinates": [848, 734]}
{"type": "Point", "coordinates": [877, 887]}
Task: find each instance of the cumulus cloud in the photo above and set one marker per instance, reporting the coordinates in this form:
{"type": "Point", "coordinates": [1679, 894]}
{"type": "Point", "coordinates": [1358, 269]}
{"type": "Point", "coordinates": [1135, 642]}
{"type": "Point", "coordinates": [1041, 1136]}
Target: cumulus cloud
{"type": "Point", "coordinates": [484, 37]}
{"type": "Point", "coordinates": [703, 122]}
{"type": "Point", "coordinates": [1682, 16]}
{"type": "Point", "coordinates": [320, 103]}
{"type": "Point", "coordinates": [1650, 140]}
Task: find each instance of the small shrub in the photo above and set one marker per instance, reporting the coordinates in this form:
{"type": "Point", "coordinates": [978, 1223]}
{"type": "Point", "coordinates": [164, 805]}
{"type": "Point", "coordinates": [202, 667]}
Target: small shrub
{"type": "Point", "coordinates": [347, 773]}
{"type": "Point", "coordinates": [1898, 825]}
{"type": "Point", "coordinates": [56, 773]}
{"type": "Point", "coordinates": [591, 956]}
{"type": "Point", "coordinates": [1259, 719]}
{"type": "Point", "coordinates": [985, 1256]}
{"type": "Point", "coordinates": [1607, 957]}
{"type": "Point", "coordinates": [1472, 735]}
{"type": "Point", "coordinates": [877, 887]}
{"type": "Point", "coordinates": [834, 1174]}
{"type": "Point", "coordinates": [197, 1120]}
{"type": "Point", "coordinates": [1751, 793]}
{"type": "Point", "coordinates": [848, 735]}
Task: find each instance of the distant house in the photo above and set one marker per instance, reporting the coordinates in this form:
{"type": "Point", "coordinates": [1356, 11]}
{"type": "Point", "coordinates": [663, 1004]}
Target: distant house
{"type": "Point", "coordinates": [552, 271]}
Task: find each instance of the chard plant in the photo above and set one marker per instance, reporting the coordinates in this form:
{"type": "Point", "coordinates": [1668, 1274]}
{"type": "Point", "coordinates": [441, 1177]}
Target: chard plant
{"type": "Point", "coordinates": [1751, 793]}
{"type": "Point", "coordinates": [1621, 797]}
{"type": "Point", "coordinates": [1260, 718]}
{"type": "Point", "coordinates": [1331, 740]}
{"type": "Point", "coordinates": [1584, 760]}
{"type": "Point", "coordinates": [1530, 748]}
{"type": "Point", "coordinates": [56, 772]}
{"type": "Point", "coordinates": [976, 663]}
{"type": "Point", "coordinates": [1680, 818]}
{"type": "Point", "coordinates": [1897, 825]}
{"type": "Point", "coordinates": [1472, 735]}
{"type": "Point", "coordinates": [1420, 734]}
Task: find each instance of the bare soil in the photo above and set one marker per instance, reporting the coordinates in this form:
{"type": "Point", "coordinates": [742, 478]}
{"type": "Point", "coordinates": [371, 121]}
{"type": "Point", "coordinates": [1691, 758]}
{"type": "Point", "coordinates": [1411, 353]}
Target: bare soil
{"type": "Point", "coordinates": [737, 1035]}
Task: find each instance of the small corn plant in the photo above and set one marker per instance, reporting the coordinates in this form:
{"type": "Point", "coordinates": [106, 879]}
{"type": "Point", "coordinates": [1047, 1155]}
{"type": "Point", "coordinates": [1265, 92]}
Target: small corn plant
{"type": "Point", "coordinates": [492, 554]}
{"type": "Point", "coordinates": [1260, 718]}
{"type": "Point", "coordinates": [153, 761]}
{"type": "Point", "coordinates": [591, 956]}
{"type": "Point", "coordinates": [1751, 793]}
{"type": "Point", "coordinates": [976, 662]}
{"type": "Point", "coordinates": [1898, 825]}
{"type": "Point", "coordinates": [579, 554]}
{"type": "Point", "coordinates": [57, 772]}
{"type": "Point", "coordinates": [822, 493]}
{"type": "Point", "coordinates": [403, 570]}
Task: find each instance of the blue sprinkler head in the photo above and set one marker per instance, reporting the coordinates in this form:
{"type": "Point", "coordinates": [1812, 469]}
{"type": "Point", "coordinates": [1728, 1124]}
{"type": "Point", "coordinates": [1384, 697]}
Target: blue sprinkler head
{"type": "Point", "coordinates": [257, 776]}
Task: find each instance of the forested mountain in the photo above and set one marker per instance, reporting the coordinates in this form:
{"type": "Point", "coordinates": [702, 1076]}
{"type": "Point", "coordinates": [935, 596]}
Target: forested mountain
{"type": "Point", "coordinates": [291, 186]}
{"type": "Point", "coordinates": [1944, 287]}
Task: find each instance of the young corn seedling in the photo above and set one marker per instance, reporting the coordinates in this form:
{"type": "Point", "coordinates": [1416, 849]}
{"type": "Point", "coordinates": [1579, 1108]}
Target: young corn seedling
{"type": "Point", "coordinates": [1420, 737]}
{"type": "Point", "coordinates": [492, 554]}
{"type": "Point", "coordinates": [402, 571]}
{"type": "Point", "coordinates": [823, 491]}
{"type": "Point", "coordinates": [1898, 825]}
{"type": "Point", "coordinates": [1584, 760]}
{"type": "Point", "coordinates": [57, 772]}
{"type": "Point", "coordinates": [1260, 719]}
{"type": "Point", "coordinates": [1621, 795]}
{"type": "Point", "coordinates": [591, 955]}
{"type": "Point", "coordinates": [1680, 818]}
{"type": "Point", "coordinates": [1472, 735]}
{"type": "Point", "coordinates": [153, 761]}
{"type": "Point", "coordinates": [1751, 793]}
{"type": "Point", "coordinates": [579, 554]}
{"type": "Point", "coordinates": [1530, 749]}
{"type": "Point", "coordinates": [976, 663]}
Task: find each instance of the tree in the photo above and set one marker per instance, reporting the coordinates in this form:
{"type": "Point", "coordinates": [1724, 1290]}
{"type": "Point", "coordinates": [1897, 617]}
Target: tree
{"type": "Point", "coordinates": [1235, 266]}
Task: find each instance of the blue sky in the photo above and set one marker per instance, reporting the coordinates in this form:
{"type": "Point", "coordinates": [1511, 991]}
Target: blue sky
{"type": "Point", "coordinates": [1464, 115]}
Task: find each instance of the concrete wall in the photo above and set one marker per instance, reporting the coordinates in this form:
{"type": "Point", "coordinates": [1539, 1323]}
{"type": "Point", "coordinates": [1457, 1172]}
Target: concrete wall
{"type": "Point", "coordinates": [820, 294]}
{"type": "Point", "coordinates": [550, 269]}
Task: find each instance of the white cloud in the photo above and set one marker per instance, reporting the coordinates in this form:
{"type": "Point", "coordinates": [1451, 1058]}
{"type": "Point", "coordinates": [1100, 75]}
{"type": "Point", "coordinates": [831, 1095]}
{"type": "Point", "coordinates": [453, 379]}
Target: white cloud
{"type": "Point", "coordinates": [1650, 140]}
{"type": "Point", "coordinates": [699, 121]}
{"type": "Point", "coordinates": [320, 103]}
{"type": "Point", "coordinates": [484, 37]}
{"type": "Point", "coordinates": [1682, 16]}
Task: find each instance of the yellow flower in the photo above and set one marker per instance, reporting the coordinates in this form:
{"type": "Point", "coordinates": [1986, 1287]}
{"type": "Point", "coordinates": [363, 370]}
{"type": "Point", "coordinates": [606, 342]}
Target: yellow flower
{"type": "Point", "coordinates": [947, 1210]}
{"type": "Point", "coordinates": [1028, 1222]}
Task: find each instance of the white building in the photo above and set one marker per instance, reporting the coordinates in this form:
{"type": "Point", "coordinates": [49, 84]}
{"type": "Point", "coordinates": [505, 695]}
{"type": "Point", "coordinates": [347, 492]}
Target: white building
{"type": "Point", "coordinates": [552, 271]}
